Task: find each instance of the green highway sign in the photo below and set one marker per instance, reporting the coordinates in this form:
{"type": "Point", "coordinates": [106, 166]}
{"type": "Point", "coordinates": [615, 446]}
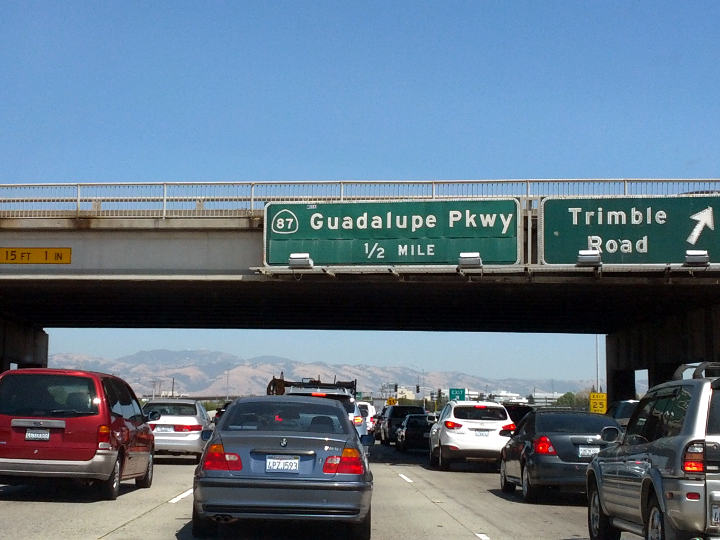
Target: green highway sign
{"type": "Point", "coordinates": [393, 233]}
{"type": "Point", "coordinates": [628, 230]}
{"type": "Point", "coordinates": [457, 393]}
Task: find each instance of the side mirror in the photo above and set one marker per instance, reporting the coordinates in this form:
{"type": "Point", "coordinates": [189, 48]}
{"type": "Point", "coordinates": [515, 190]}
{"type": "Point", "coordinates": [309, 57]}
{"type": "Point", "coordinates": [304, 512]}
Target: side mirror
{"type": "Point", "coordinates": [367, 440]}
{"type": "Point", "coordinates": [610, 434]}
{"type": "Point", "coordinates": [154, 415]}
{"type": "Point", "coordinates": [205, 434]}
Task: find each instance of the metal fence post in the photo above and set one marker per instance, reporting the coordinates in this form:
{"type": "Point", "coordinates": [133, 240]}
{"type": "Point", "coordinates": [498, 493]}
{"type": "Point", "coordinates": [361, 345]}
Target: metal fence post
{"type": "Point", "coordinates": [164, 210]}
{"type": "Point", "coordinates": [77, 202]}
{"type": "Point", "coordinates": [252, 196]}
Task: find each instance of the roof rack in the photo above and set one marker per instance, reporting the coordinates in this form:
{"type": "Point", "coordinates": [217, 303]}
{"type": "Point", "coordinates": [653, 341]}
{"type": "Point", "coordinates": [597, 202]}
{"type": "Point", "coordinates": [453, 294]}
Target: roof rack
{"type": "Point", "coordinates": [277, 385]}
{"type": "Point", "coordinates": [699, 370]}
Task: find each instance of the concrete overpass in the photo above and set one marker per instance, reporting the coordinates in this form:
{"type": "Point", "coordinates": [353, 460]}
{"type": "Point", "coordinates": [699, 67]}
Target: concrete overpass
{"type": "Point", "coordinates": [197, 261]}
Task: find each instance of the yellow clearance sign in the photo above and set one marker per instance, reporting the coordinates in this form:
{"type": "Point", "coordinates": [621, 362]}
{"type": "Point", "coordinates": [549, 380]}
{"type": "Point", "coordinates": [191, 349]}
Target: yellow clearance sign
{"type": "Point", "coordinates": [35, 255]}
{"type": "Point", "coordinates": [598, 402]}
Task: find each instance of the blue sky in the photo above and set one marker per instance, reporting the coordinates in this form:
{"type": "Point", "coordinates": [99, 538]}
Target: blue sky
{"type": "Point", "coordinates": [173, 91]}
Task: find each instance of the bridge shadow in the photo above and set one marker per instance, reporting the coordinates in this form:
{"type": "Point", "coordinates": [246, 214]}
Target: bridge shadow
{"type": "Point", "coordinates": [278, 530]}
{"type": "Point", "coordinates": [58, 491]}
{"type": "Point", "coordinates": [390, 455]}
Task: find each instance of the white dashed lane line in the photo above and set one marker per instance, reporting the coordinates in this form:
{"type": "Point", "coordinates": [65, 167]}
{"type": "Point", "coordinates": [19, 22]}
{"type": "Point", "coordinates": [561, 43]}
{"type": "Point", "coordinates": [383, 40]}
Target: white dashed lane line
{"type": "Point", "coordinates": [482, 536]}
{"type": "Point", "coordinates": [181, 496]}
{"type": "Point", "coordinates": [405, 478]}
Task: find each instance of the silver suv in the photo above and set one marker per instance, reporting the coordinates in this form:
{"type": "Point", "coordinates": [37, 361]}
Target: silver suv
{"type": "Point", "coordinates": [661, 480]}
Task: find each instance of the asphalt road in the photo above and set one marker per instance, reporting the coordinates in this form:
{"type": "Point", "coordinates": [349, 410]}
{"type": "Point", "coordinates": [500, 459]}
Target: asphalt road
{"type": "Point", "coordinates": [410, 501]}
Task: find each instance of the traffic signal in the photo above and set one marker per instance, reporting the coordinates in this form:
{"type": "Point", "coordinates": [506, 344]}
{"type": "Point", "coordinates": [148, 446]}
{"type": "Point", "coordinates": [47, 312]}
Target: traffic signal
{"type": "Point", "coordinates": [396, 387]}
{"type": "Point", "coordinates": [439, 394]}
{"type": "Point", "coordinates": [417, 388]}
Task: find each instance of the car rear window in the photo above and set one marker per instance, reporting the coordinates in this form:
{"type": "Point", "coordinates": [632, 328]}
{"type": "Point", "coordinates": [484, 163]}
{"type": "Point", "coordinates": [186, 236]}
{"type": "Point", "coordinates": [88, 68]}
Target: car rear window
{"type": "Point", "coordinates": [572, 423]}
{"type": "Point", "coordinates": [713, 424]}
{"type": "Point", "coordinates": [402, 412]}
{"type": "Point", "coordinates": [47, 395]}
{"type": "Point", "coordinates": [479, 412]}
{"type": "Point", "coordinates": [286, 417]}
{"type": "Point", "coordinates": [171, 409]}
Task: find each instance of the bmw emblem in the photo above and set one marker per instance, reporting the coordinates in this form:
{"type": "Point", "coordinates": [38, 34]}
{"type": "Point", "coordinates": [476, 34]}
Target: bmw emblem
{"type": "Point", "coordinates": [283, 442]}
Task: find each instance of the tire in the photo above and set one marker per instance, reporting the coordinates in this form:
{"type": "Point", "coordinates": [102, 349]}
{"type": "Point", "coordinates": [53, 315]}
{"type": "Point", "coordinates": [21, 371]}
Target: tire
{"type": "Point", "coordinates": [202, 527]}
{"type": "Point", "coordinates": [110, 488]}
{"type": "Point", "coordinates": [530, 493]}
{"type": "Point", "coordinates": [656, 527]}
{"type": "Point", "coordinates": [432, 459]}
{"type": "Point", "coordinates": [384, 439]}
{"type": "Point", "coordinates": [505, 485]}
{"type": "Point", "coordinates": [145, 481]}
{"type": "Point", "coordinates": [443, 461]}
{"type": "Point", "coordinates": [198, 458]}
{"type": "Point", "coordinates": [362, 530]}
{"type": "Point", "coordinates": [599, 525]}
{"type": "Point", "coordinates": [400, 446]}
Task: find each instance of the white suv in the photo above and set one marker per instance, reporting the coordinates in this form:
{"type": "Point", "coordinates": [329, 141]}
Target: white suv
{"type": "Point", "coordinates": [469, 430]}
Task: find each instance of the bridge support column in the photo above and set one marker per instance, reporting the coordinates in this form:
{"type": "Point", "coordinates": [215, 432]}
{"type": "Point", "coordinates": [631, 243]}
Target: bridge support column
{"type": "Point", "coordinates": [23, 345]}
{"type": "Point", "coordinates": [660, 347]}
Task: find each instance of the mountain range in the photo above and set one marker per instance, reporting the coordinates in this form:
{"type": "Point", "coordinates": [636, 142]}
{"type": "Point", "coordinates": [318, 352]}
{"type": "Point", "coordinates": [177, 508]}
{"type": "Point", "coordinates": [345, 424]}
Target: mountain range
{"type": "Point", "coordinates": [213, 373]}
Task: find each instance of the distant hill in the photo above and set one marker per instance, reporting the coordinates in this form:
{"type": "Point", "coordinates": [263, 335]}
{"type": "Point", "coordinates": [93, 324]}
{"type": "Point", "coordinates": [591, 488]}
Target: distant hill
{"type": "Point", "coordinates": [203, 372]}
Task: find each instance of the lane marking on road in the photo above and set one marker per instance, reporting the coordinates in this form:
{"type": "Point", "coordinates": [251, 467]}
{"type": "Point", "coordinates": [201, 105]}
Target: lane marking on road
{"type": "Point", "coordinates": [181, 496]}
{"type": "Point", "coordinates": [405, 478]}
{"type": "Point", "coordinates": [482, 536]}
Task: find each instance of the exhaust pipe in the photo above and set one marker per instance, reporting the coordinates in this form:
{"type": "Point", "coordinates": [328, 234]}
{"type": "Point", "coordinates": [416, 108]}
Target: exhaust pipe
{"type": "Point", "coordinates": [223, 518]}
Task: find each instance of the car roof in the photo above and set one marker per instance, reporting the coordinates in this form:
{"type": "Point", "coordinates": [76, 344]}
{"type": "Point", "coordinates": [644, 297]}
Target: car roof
{"type": "Point", "coordinates": [291, 399]}
{"type": "Point", "coordinates": [470, 403]}
{"type": "Point", "coordinates": [171, 400]}
{"type": "Point", "coordinates": [58, 371]}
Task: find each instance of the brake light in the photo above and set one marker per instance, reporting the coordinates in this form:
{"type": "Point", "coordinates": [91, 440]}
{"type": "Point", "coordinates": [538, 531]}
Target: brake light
{"type": "Point", "coordinates": [452, 425]}
{"type": "Point", "coordinates": [103, 438]}
{"type": "Point", "coordinates": [481, 406]}
{"type": "Point", "coordinates": [186, 429]}
{"type": "Point", "coordinates": [350, 462]}
{"type": "Point", "coordinates": [358, 420]}
{"type": "Point", "coordinates": [544, 446]}
{"type": "Point", "coordinates": [694, 458]}
{"type": "Point", "coordinates": [216, 459]}
{"type": "Point", "coordinates": [152, 427]}
{"type": "Point", "coordinates": [318, 394]}
{"type": "Point", "coordinates": [509, 427]}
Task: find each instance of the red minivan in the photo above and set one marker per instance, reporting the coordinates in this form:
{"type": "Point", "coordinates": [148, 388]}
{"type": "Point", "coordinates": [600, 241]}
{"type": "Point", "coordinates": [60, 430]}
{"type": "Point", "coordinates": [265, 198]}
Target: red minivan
{"type": "Point", "coordinates": [60, 423]}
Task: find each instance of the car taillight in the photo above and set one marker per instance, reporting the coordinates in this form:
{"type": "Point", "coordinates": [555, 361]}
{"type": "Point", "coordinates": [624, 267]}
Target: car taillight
{"type": "Point", "coordinates": [358, 420]}
{"type": "Point", "coordinates": [452, 425]}
{"type": "Point", "coordinates": [186, 429]}
{"type": "Point", "coordinates": [103, 438]}
{"type": "Point", "coordinates": [694, 458]}
{"type": "Point", "coordinates": [318, 394]}
{"type": "Point", "coordinates": [350, 462]}
{"type": "Point", "coordinates": [543, 445]}
{"type": "Point", "coordinates": [216, 459]}
{"type": "Point", "coordinates": [152, 426]}
{"type": "Point", "coordinates": [509, 427]}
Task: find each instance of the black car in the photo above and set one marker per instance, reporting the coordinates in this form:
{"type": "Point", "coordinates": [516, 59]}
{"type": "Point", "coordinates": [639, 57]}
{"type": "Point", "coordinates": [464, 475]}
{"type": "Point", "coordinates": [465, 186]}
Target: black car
{"type": "Point", "coordinates": [220, 411]}
{"type": "Point", "coordinates": [392, 417]}
{"type": "Point", "coordinates": [551, 448]}
{"type": "Point", "coordinates": [413, 432]}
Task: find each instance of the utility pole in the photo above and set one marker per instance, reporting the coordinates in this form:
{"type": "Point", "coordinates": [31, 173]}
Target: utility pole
{"type": "Point", "coordinates": [227, 385]}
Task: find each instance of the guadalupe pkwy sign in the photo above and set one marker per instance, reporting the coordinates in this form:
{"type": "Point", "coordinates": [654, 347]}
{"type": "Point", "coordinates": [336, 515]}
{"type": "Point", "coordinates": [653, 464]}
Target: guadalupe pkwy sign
{"type": "Point", "coordinates": [629, 230]}
{"type": "Point", "coordinates": [393, 233]}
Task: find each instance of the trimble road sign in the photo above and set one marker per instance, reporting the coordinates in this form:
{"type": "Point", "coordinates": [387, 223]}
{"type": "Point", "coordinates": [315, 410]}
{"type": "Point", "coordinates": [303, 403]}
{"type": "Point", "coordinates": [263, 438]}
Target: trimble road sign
{"type": "Point", "coordinates": [393, 233]}
{"type": "Point", "coordinates": [629, 230]}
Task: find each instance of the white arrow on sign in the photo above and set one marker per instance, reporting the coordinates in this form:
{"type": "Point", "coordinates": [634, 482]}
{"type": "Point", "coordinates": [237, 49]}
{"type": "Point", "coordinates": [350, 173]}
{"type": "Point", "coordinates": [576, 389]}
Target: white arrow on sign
{"type": "Point", "coordinates": [703, 218]}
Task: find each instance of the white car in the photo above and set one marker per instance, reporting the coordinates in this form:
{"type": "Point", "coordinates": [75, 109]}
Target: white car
{"type": "Point", "coordinates": [178, 430]}
{"type": "Point", "coordinates": [469, 430]}
{"type": "Point", "coordinates": [368, 411]}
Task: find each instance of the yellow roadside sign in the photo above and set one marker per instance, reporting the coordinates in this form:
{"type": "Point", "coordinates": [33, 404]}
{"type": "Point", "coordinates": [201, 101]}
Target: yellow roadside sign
{"type": "Point", "coordinates": [391, 401]}
{"type": "Point", "coordinates": [35, 255]}
{"type": "Point", "coordinates": [598, 402]}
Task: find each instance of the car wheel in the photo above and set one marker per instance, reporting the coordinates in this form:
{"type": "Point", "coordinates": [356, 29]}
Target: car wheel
{"type": "Point", "coordinates": [384, 439]}
{"type": "Point", "coordinates": [598, 522]}
{"type": "Point", "coordinates": [443, 461]}
{"type": "Point", "coordinates": [530, 493]}
{"type": "Point", "coordinates": [657, 527]}
{"type": "Point", "coordinates": [505, 486]}
{"type": "Point", "coordinates": [198, 457]}
{"type": "Point", "coordinates": [110, 488]}
{"type": "Point", "coordinates": [400, 446]}
{"type": "Point", "coordinates": [362, 530]}
{"type": "Point", "coordinates": [145, 481]}
{"type": "Point", "coordinates": [202, 527]}
{"type": "Point", "coordinates": [432, 459]}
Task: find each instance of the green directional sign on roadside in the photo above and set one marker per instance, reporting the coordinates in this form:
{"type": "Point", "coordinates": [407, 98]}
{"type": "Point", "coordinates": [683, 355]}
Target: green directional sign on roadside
{"type": "Point", "coordinates": [457, 394]}
{"type": "Point", "coordinates": [629, 230]}
{"type": "Point", "coordinates": [393, 233]}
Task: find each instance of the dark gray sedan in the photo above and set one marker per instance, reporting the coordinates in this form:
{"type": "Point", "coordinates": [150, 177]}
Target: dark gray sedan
{"type": "Point", "coordinates": [283, 457]}
{"type": "Point", "coordinates": [551, 448]}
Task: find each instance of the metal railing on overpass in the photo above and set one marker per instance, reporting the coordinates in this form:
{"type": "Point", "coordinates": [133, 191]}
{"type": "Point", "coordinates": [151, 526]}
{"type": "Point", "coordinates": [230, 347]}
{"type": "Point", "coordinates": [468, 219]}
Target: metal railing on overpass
{"type": "Point", "coordinates": [232, 199]}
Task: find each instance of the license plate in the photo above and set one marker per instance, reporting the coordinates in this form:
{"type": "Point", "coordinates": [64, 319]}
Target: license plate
{"type": "Point", "coordinates": [37, 435]}
{"type": "Point", "coordinates": [282, 464]}
{"type": "Point", "coordinates": [588, 451]}
{"type": "Point", "coordinates": [715, 514]}
{"type": "Point", "coordinates": [163, 429]}
{"type": "Point", "coordinates": [482, 432]}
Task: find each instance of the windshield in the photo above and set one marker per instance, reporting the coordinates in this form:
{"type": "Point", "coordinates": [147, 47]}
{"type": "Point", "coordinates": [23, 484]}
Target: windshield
{"type": "Point", "coordinates": [347, 401]}
{"type": "Point", "coordinates": [286, 417]}
{"type": "Point", "coordinates": [47, 395]}
{"type": "Point", "coordinates": [403, 411]}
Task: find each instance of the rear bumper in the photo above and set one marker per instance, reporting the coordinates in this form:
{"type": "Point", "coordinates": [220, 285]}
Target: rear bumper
{"type": "Point", "coordinates": [179, 446]}
{"type": "Point", "coordinates": [248, 499]}
{"type": "Point", "coordinates": [97, 468]}
{"type": "Point", "coordinates": [551, 471]}
{"type": "Point", "coordinates": [471, 453]}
